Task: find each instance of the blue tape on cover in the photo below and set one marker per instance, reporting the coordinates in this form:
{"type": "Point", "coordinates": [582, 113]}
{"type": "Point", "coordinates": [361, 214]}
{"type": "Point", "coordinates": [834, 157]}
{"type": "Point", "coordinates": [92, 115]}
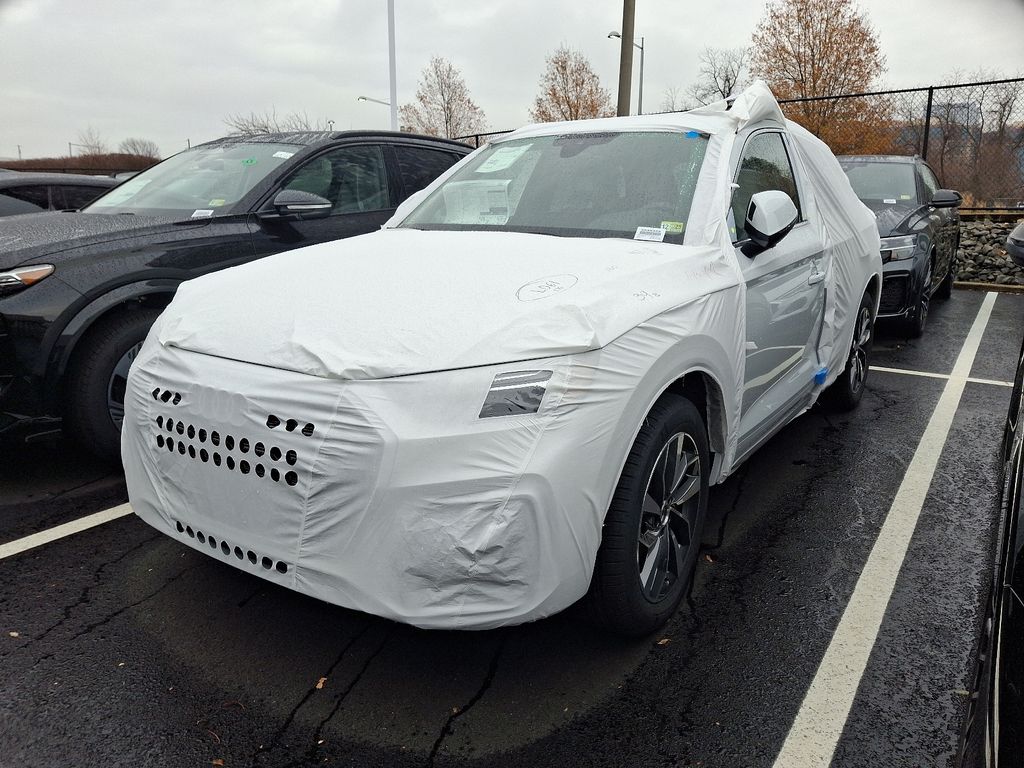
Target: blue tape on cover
{"type": "Point", "coordinates": [820, 375]}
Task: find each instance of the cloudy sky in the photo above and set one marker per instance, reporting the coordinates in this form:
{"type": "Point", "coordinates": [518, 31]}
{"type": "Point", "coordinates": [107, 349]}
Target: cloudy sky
{"type": "Point", "coordinates": [171, 70]}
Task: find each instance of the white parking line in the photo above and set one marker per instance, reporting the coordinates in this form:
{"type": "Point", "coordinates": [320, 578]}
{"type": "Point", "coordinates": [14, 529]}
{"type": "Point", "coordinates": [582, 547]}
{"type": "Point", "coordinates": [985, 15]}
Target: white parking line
{"type": "Point", "coordinates": [819, 723]}
{"type": "Point", "coordinates": [59, 532]}
{"type": "Point", "coordinates": [928, 374]}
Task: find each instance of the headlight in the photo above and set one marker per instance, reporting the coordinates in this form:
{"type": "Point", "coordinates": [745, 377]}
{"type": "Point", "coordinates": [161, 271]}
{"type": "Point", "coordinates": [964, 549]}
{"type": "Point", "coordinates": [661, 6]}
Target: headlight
{"type": "Point", "coordinates": [15, 280]}
{"type": "Point", "coordinates": [898, 248]}
{"type": "Point", "coordinates": [515, 393]}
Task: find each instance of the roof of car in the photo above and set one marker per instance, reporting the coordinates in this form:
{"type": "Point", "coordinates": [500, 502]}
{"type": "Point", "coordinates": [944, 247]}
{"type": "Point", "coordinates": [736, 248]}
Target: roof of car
{"type": "Point", "coordinates": [31, 177]}
{"type": "Point", "coordinates": [881, 158]}
{"type": "Point", "coordinates": [315, 138]}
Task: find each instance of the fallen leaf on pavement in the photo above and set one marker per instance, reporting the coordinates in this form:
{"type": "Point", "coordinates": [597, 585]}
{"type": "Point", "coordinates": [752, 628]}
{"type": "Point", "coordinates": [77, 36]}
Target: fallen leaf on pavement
{"type": "Point", "coordinates": [13, 634]}
{"type": "Point", "coordinates": [664, 641]}
{"type": "Point", "coordinates": [320, 683]}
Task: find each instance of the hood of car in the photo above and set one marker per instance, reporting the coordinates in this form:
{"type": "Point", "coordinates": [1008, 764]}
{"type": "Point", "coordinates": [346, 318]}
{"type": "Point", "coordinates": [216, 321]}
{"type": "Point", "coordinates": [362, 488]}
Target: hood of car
{"type": "Point", "coordinates": [891, 218]}
{"type": "Point", "coordinates": [30, 238]}
{"type": "Point", "coordinates": [402, 301]}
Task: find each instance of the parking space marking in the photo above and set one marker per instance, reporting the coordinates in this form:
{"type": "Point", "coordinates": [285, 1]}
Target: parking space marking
{"type": "Point", "coordinates": [61, 531]}
{"type": "Point", "coordinates": [819, 723]}
{"type": "Point", "coordinates": [930, 375]}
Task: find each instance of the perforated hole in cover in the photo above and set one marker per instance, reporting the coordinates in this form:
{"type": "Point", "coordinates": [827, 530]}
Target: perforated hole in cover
{"type": "Point", "coordinates": [191, 432]}
{"type": "Point", "coordinates": [291, 457]}
{"type": "Point", "coordinates": [230, 462]}
{"type": "Point", "coordinates": [177, 398]}
{"type": "Point", "coordinates": [259, 449]}
{"type": "Point", "coordinates": [291, 478]}
{"type": "Point", "coordinates": [308, 430]}
{"type": "Point", "coordinates": [275, 453]}
{"type": "Point", "coordinates": [243, 445]}
{"type": "Point", "coordinates": [260, 471]}
{"type": "Point", "coordinates": [216, 459]}
{"type": "Point", "coordinates": [291, 424]}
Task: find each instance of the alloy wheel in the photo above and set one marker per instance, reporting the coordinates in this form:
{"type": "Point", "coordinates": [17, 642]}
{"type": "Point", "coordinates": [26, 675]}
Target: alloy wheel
{"type": "Point", "coordinates": [858, 363]}
{"type": "Point", "coordinates": [118, 385]}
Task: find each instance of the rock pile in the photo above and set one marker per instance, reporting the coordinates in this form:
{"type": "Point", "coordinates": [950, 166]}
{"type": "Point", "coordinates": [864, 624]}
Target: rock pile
{"type": "Point", "coordinates": [983, 256]}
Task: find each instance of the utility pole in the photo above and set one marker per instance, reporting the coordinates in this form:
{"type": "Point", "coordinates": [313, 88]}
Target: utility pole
{"type": "Point", "coordinates": [391, 65]}
{"type": "Point", "coordinates": [625, 56]}
{"type": "Point", "coordinates": [19, 151]}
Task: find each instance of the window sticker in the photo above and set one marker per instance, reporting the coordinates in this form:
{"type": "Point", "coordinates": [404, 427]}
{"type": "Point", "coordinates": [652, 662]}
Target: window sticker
{"type": "Point", "coordinates": [202, 213]}
{"type": "Point", "coordinates": [502, 158]}
{"type": "Point", "coordinates": [890, 201]}
{"type": "Point", "coordinates": [477, 202]}
{"type": "Point", "coordinates": [904, 197]}
{"type": "Point", "coordinates": [283, 155]}
{"type": "Point", "coordinates": [653, 234]}
{"type": "Point", "coordinates": [250, 161]}
{"type": "Point", "coordinates": [217, 202]}
{"type": "Point", "coordinates": [673, 227]}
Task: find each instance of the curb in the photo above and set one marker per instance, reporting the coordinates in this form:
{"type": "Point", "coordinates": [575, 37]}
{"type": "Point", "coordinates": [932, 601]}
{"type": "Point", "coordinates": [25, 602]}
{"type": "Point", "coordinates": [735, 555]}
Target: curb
{"type": "Point", "coordinates": [989, 287]}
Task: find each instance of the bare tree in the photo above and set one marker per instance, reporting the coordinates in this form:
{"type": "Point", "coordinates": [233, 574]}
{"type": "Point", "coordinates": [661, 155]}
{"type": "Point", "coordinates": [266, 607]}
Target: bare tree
{"type": "Point", "coordinates": [90, 142]}
{"type": "Point", "coordinates": [570, 90]}
{"type": "Point", "coordinates": [256, 123]}
{"type": "Point", "coordinates": [673, 100]}
{"type": "Point", "coordinates": [722, 72]}
{"type": "Point", "coordinates": [139, 147]}
{"type": "Point", "coordinates": [442, 106]}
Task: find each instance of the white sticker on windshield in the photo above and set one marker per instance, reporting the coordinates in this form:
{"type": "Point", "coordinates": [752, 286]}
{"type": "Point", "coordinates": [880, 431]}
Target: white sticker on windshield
{"type": "Point", "coordinates": [283, 155]}
{"type": "Point", "coordinates": [476, 202]}
{"type": "Point", "coordinates": [890, 201]}
{"type": "Point", "coordinates": [654, 234]}
{"type": "Point", "coordinates": [202, 213]}
{"type": "Point", "coordinates": [502, 158]}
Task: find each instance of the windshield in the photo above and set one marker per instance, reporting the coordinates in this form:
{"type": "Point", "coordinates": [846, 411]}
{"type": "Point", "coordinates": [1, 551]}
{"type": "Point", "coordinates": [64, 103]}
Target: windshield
{"type": "Point", "coordinates": [198, 183]}
{"type": "Point", "coordinates": [578, 184]}
{"type": "Point", "coordinates": [885, 183]}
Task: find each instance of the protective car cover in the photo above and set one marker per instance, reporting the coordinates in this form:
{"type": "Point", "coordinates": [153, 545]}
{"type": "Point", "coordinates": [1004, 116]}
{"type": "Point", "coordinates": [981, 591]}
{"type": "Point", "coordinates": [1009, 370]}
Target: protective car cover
{"type": "Point", "coordinates": [315, 417]}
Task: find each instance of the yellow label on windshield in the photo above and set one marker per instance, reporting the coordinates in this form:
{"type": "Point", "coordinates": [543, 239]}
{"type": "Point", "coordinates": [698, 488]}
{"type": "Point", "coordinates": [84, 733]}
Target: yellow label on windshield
{"type": "Point", "coordinates": [218, 202]}
{"type": "Point", "coordinates": [673, 227]}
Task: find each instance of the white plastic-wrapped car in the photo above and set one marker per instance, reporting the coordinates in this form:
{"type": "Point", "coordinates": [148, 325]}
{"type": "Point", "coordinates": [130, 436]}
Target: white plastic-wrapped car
{"type": "Point", "coordinates": [516, 394]}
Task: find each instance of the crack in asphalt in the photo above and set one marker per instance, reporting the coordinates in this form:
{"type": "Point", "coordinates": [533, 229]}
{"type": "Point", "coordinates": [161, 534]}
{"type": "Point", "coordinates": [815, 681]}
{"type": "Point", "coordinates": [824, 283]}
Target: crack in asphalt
{"type": "Point", "coordinates": [446, 730]}
{"type": "Point", "coordinates": [83, 598]}
{"type": "Point", "coordinates": [275, 740]}
{"type": "Point", "coordinates": [107, 619]}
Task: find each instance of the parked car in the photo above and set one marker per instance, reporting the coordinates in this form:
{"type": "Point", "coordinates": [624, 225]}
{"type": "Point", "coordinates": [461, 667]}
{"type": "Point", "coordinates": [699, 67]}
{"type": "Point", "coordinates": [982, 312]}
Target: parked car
{"type": "Point", "coordinates": [530, 377]}
{"type": "Point", "coordinates": [919, 224]}
{"type": "Point", "coordinates": [25, 192]}
{"type": "Point", "coordinates": [1015, 245]}
{"type": "Point", "coordinates": [993, 733]}
{"type": "Point", "coordinates": [78, 291]}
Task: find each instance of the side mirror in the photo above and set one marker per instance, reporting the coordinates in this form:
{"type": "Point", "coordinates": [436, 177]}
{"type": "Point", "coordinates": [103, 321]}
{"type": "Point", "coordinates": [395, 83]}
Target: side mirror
{"type": "Point", "coordinates": [770, 217]}
{"type": "Point", "coordinates": [296, 204]}
{"type": "Point", "coordinates": [947, 198]}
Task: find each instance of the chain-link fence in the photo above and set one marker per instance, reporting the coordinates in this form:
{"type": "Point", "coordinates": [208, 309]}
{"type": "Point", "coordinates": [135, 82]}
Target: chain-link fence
{"type": "Point", "coordinates": [972, 134]}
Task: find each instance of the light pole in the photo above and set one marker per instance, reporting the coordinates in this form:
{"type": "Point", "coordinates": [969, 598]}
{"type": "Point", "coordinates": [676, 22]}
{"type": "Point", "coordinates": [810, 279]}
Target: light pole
{"type": "Point", "coordinates": [375, 101]}
{"type": "Point", "coordinates": [330, 125]}
{"type": "Point", "coordinates": [640, 91]}
{"type": "Point", "coordinates": [393, 93]}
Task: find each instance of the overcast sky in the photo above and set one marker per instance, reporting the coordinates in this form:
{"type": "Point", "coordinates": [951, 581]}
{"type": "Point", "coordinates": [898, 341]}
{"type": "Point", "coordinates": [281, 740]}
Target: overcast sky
{"type": "Point", "coordinates": [171, 70]}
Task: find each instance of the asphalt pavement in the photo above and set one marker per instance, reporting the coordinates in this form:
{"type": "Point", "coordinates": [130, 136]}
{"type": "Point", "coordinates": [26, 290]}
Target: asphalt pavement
{"type": "Point", "coordinates": [121, 646]}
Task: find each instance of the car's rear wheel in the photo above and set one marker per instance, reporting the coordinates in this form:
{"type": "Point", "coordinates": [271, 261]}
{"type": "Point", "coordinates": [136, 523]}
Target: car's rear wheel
{"type": "Point", "coordinates": [98, 380]}
{"type": "Point", "coordinates": [846, 391]}
{"type": "Point", "coordinates": [919, 314]}
{"type": "Point", "coordinates": [652, 531]}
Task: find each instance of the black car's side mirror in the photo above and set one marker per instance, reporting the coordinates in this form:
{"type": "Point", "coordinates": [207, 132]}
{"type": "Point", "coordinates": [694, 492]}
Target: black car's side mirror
{"type": "Point", "coordinates": [770, 217]}
{"type": "Point", "coordinates": [296, 204]}
{"type": "Point", "coordinates": [946, 198]}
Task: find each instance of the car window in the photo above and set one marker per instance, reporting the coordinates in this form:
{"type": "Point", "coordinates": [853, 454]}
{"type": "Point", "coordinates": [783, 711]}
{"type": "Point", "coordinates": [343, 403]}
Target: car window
{"type": "Point", "coordinates": [882, 182]}
{"type": "Point", "coordinates": [354, 179]}
{"type": "Point", "coordinates": [420, 166]}
{"type": "Point", "coordinates": [36, 194]}
{"type": "Point", "coordinates": [629, 184]}
{"type": "Point", "coordinates": [764, 166]}
{"type": "Point", "coordinates": [11, 206]}
{"type": "Point", "coordinates": [931, 184]}
{"type": "Point", "coordinates": [75, 196]}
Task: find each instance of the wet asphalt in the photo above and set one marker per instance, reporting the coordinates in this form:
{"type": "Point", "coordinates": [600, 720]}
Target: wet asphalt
{"type": "Point", "coordinates": [120, 646]}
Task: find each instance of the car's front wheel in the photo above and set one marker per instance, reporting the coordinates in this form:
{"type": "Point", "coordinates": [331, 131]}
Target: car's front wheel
{"type": "Point", "coordinates": [98, 378]}
{"type": "Point", "coordinates": [918, 317]}
{"type": "Point", "coordinates": [652, 531]}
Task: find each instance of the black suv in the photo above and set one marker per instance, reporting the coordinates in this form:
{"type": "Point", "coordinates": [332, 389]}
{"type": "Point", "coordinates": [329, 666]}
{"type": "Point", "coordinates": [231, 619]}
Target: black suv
{"type": "Point", "coordinates": [34, 192]}
{"type": "Point", "coordinates": [79, 291]}
{"type": "Point", "coordinates": [919, 224]}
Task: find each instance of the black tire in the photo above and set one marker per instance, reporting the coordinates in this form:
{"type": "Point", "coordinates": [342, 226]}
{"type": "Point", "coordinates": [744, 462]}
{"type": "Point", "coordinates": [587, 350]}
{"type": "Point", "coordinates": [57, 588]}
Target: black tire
{"type": "Point", "coordinates": [918, 318]}
{"type": "Point", "coordinates": [617, 599]}
{"type": "Point", "coordinates": [945, 289]}
{"type": "Point", "coordinates": [91, 380]}
{"type": "Point", "coordinates": [845, 392]}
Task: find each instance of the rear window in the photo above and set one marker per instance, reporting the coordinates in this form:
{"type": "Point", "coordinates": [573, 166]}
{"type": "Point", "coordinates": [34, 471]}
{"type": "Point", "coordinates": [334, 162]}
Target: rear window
{"type": "Point", "coordinates": [885, 183]}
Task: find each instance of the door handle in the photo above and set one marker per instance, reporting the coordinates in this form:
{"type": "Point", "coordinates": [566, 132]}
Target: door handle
{"type": "Point", "coordinates": [815, 278]}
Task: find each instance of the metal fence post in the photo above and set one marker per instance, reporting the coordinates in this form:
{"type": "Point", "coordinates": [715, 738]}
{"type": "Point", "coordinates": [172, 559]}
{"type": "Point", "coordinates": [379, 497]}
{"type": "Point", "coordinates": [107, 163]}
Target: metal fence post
{"type": "Point", "coordinates": [927, 124]}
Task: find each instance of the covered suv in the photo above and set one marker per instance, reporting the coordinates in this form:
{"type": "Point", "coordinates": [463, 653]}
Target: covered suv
{"type": "Point", "coordinates": [919, 224]}
{"type": "Point", "coordinates": [79, 291]}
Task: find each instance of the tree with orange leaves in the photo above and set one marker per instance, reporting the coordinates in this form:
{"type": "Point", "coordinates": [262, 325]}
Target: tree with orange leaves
{"type": "Point", "coordinates": [570, 90]}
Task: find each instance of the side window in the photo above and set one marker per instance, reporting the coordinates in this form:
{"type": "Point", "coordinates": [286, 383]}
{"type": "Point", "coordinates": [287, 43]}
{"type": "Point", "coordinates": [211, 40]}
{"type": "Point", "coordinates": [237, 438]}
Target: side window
{"type": "Point", "coordinates": [11, 206]}
{"type": "Point", "coordinates": [420, 166]}
{"type": "Point", "coordinates": [352, 178]}
{"type": "Point", "coordinates": [931, 184]}
{"type": "Point", "coordinates": [75, 196]}
{"type": "Point", "coordinates": [38, 195]}
{"type": "Point", "coordinates": [764, 165]}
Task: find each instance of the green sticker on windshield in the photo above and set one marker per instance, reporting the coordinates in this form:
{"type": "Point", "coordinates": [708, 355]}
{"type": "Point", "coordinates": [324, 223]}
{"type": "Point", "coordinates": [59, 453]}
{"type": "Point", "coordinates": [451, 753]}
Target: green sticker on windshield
{"type": "Point", "coordinates": [249, 161]}
{"type": "Point", "coordinates": [673, 227]}
{"type": "Point", "coordinates": [904, 197]}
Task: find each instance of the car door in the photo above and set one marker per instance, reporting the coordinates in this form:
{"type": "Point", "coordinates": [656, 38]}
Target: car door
{"type": "Point", "coordinates": [354, 178]}
{"type": "Point", "coordinates": [945, 223]}
{"type": "Point", "coordinates": [785, 294]}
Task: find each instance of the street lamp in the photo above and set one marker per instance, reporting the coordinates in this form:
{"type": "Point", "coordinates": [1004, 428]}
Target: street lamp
{"type": "Point", "coordinates": [330, 125]}
{"type": "Point", "coordinates": [640, 92]}
{"type": "Point", "coordinates": [375, 101]}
